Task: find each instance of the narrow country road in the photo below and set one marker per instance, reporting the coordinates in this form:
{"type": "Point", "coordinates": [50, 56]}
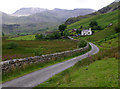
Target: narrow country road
{"type": "Point", "coordinates": [37, 77]}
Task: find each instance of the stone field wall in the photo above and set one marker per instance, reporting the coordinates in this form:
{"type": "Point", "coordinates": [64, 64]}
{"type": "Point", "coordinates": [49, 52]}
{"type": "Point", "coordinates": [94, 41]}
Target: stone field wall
{"type": "Point", "coordinates": [18, 63]}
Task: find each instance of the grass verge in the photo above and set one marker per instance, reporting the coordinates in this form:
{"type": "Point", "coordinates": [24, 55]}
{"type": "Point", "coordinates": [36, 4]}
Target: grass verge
{"type": "Point", "coordinates": [93, 75]}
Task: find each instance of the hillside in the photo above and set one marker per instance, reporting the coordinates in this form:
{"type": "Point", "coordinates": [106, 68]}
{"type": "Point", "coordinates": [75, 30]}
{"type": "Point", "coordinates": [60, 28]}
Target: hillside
{"type": "Point", "coordinates": [102, 19]}
{"type": "Point", "coordinates": [112, 7]}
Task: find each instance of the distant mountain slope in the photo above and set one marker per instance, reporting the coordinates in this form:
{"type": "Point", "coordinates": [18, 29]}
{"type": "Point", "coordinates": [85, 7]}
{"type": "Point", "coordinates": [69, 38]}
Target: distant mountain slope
{"type": "Point", "coordinates": [60, 12]}
{"type": "Point", "coordinates": [38, 20]}
{"type": "Point", "coordinates": [38, 15]}
{"type": "Point", "coordinates": [112, 7]}
{"type": "Point", "coordinates": [28, 11]}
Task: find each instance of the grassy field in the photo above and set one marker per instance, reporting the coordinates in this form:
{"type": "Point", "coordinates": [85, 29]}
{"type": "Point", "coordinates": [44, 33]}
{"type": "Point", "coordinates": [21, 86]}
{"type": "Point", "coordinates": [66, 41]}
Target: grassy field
{"type": "Point", "coordinates": [27, 37]}
{"type": "Point", "coordinates": [27, 48]}
{"type": "Point", "coordinates": [103, 20]}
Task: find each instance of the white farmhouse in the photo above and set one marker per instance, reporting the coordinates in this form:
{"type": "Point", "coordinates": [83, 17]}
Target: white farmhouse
{"type": "Point", "coordinates": [86, 32]}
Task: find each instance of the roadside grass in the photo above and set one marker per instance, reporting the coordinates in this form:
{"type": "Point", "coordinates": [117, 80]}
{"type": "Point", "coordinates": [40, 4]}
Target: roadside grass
{"type": "Point", "coordinates": [27, 48]}
{"type": "Point", "coordinates": [100, 70]}
{"type": "Point", "coordinates": [26, 69]}
{"type": "Point", "coordinates": [93, 75]}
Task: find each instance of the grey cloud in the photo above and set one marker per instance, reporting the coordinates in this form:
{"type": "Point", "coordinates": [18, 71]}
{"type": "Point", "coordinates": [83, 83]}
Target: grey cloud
{"type": "Point", "coordinates": [117, 0]}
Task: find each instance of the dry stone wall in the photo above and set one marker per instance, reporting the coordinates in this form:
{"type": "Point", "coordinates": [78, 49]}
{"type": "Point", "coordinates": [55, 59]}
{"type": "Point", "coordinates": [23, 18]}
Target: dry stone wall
{"type": "Point", "coordinates": [18, 63]}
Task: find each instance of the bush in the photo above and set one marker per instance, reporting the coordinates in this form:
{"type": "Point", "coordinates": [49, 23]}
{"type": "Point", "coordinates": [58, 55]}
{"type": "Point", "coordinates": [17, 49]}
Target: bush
{"type": "Point", "coordinates": [82, 43]}
{"type": "Point", "coordinates": [53, 36]}
{"type": "Point", "coordinates": [117, 29]}
{"type": "Point", "coordinates": [62, 28]}
{"type": "Point", "coordinates": [39, 36]}
{"type": "Point", "coordinates": [38, 51]}
{"type": "Point", "coordinates": [96, 28]}
{"type": "Point", "coordinates": [93, 23]}
{"type": "Point", "coordinates": [66, 33]}
{"type": "Point", "coordinates": [12, 45]}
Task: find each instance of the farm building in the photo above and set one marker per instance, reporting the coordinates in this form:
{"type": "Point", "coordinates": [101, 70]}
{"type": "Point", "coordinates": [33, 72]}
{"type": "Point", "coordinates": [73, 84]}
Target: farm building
{"type": "Point", "coordinates": [86, 32]}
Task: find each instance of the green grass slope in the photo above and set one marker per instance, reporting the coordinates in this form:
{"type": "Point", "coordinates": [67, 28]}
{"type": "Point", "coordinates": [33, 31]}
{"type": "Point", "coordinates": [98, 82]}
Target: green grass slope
{"type": "Point", "coordinates": [101, 35]}
{"type": "Point", "coordinates": [102, 19]}
{"type": "Point", "coordinates": [27, 37]}
{"type": "Point", "coordinates": [94, 75]}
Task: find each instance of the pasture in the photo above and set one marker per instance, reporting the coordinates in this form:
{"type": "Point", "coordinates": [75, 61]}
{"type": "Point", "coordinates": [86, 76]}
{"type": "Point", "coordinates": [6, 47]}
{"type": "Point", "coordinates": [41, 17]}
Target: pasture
{"type": "Point", "coordinates": [27, 48]}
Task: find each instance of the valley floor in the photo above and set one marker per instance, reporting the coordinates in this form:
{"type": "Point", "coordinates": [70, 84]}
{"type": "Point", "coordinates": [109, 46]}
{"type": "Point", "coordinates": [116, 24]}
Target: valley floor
{"type": "Point", "coordinates": [100, 70]}
{"type": "Point", "coordinates": [34, 78]}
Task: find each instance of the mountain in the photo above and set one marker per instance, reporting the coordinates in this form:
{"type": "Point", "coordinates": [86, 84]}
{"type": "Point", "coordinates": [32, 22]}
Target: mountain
{"type": "Point", "coordinates": [63, 13]}
{"type": "Point", "coordinates": [28, 11]}
{"type": "Point", "coordinates": [60, 12]}
{"type": "Point", "coordinates": [112, 7]}
{"type": "Point", "coordinates": [39, 15]}
{"type": "Point", "coordinates": [31, 20]}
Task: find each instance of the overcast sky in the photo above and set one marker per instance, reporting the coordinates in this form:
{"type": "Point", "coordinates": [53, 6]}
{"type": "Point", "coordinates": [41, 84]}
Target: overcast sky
{"type": "Point", "coordinates": [10, 6]}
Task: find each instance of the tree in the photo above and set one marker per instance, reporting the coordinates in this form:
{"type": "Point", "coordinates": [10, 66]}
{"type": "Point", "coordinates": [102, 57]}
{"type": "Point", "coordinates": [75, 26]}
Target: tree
{"type": "Point", "coordinates": [96, 28]}
{"type": "Point", "coordinates": [54, 35]}
{"type": "Point", "coordinates": [81, 27]}
{"type": "Point", "coordinates": [3, 34]}
{"type": "Point", "coordinates": [77, 31]}
{"type": "Point", "coordinates": [82, 43]}
{"type": "Point", "coordinates": [57, 35]}
{"type": "Point", "coordinates": [93, 23]}
{"type": "Point", "coordinates": [62, 28]}
{"type": "Point", "coordinates": [66, 33]}
{"type": "Point", "coordinates": [39, 36]}
{"type": "Point", "coordinates": [117, 29]}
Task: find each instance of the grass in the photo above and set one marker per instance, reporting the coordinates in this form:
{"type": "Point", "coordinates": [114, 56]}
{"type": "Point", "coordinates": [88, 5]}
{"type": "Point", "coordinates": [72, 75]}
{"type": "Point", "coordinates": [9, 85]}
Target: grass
{"type": "Point", "coordinates": [27, 48]}
{"type": "Point", "coordinates": [101, 35]}
{"type": "Point", "coordinates": [27, 37]}
{"type": "Point", "coordinates": [93, 75]}
{"type": "Point", "coordinates": [90, 72]}
{"type": "Point", "coordinates": [107, 18]}
{"type": "Point", "coordinates": [34, 67]}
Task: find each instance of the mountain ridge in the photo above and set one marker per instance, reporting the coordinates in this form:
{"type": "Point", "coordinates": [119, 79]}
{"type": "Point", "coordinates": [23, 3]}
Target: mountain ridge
{"type": "Point", "coordinates": [28, 11]}
{"type": "Point", "coordinates": [112, 7]}
{"type": "Point", "coordinates": [43, 21]}
{"type": "Point", "coordinates": [31, 11]}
